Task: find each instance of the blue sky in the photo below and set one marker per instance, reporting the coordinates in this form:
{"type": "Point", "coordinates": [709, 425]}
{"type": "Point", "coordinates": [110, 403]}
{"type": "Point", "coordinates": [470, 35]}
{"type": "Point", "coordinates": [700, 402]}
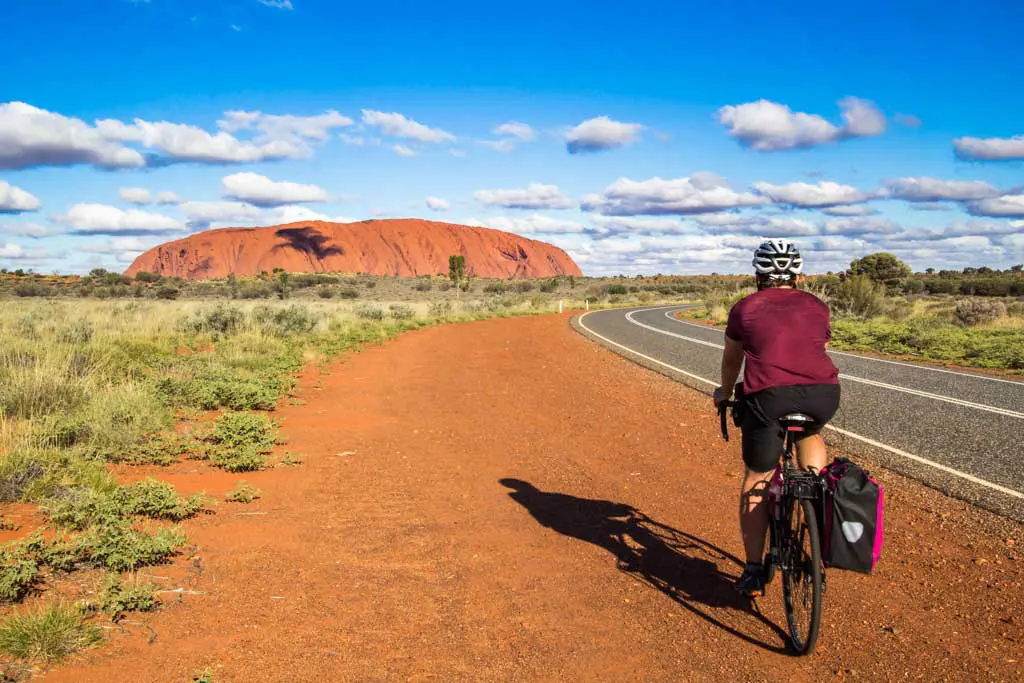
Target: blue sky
{"type": "Point", "coordinates": [641, 138]}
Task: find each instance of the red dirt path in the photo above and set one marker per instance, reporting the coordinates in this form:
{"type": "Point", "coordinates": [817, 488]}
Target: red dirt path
{"type": "Point", "coordinates": [396, 553]}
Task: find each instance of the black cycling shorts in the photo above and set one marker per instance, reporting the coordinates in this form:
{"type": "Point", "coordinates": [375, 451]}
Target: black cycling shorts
{"type": "Point", "coordinates": [763, 435]}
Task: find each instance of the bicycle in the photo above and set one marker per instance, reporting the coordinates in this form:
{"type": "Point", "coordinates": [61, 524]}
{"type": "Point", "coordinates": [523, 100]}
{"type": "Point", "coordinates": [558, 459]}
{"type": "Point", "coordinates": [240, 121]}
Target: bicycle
{"type": "Point", "coordinates": [794, 496]}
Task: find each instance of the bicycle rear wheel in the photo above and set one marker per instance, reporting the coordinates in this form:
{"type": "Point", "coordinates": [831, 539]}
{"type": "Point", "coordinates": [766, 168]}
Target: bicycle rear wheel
{"type": "Point", "coordinates": [802, 576]}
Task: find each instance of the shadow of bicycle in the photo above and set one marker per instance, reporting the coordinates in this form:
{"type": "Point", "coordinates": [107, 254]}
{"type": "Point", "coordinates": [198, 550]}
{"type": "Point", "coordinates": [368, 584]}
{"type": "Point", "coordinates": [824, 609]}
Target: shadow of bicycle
{"type": "Point", "coordinates": [680, 565]}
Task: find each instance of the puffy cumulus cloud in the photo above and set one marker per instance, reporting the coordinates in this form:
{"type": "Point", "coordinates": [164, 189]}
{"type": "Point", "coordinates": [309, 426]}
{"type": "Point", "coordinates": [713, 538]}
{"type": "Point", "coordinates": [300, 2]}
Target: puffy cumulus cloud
{"type": "Point", "coordinates": [438, 204]}
{"type": "Point", "coordinates": [769, 126]}
{"type": "Point", "coordinates": [123, 249]}
{"type": "Point", "coordinates": [403, 151]}
{"type": "Point", "coordinates": [277, 4]}
{"type": "Point", "coordinates": [990, 149]}
{"type": "Point", "coordinates": [600, 134]}
{"type": "Point", "coordinates": [284, 127]}
{"type": "Point", "coordinates": [204, 214]}
{"type": "Point", "coordinates": [970, 228]}
{"type": "Point", "coordinates": [396, 125]}
{"type": "Point", "coordinates": [503, 145]}
{"type": "Point", "coordinates": [11, 250]}
{"type": "Point", "coordinates": [100, 219]}
{"type": "Point", "coordinates": [603, 227]}
{"type": "Point", "coordinates": [16, 200]}
{"type": "Point", "coordinates": [1008, 206]}
{"type": "Point", "coordinates": [700, 193]}
{"type": "Point", "coordinates": [860, 225]}
{"type": "Point", "coordinates": [136, 195]}
{"type": "Point", "coordinates": [767, 226]}
{"type": "Point", "coordinates": [141, 196]}
{"type": "Point", "coordinates": [532, 224]}
{"type": "Point", "coordinates": [533, 196]}
{"type": "Point", "coordinates": [179, 142]}
{"type": "Point", "coordinates": [31, 230]}
{"type": "Point", "coordinates": [849, 210]}
{"type": "Point", "coordinates": [30, 136]}
{"type": "Point", "coordinates": [261, 191]}
{"type": "Point", "coordinates": [167, 197]}
{"type": "Point", "coordinates": [517, 130]}
{"type": "Point", "coordinates": [925, 189]}
{"type": "Point", "coordinates": [825, 193]}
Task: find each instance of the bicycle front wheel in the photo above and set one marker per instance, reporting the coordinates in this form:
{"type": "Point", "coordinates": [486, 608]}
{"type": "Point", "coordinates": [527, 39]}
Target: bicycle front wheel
{"type": "Point", "coordinates": [802, 577]}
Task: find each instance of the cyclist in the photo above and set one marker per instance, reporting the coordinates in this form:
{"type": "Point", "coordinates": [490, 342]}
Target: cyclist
{"type": "Point", "coordinates": [782, 333]}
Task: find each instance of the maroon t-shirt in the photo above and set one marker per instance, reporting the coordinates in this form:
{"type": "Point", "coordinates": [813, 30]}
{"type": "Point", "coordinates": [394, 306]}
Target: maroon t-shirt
{"type": "Point", "coordinates": [783, 332]}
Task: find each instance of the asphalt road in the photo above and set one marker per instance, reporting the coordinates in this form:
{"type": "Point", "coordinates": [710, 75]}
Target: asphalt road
{"type": "Point", "coordinates": [957, 431]}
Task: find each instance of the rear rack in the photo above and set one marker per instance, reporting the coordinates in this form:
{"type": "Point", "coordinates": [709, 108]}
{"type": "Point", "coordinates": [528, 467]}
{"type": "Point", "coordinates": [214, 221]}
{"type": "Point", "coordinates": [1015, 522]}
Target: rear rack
{"type": "Point", "coordinates": [803, 485]}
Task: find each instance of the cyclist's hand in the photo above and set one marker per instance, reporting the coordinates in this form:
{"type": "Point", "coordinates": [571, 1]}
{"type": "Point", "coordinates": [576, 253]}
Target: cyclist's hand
{"type": "Point", "coordinates": [721, 395]}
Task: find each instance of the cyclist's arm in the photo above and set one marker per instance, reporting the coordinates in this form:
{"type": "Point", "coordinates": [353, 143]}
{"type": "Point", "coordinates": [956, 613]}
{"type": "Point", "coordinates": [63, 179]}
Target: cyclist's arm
{"type": "Point", "coordinates": [732, 361]}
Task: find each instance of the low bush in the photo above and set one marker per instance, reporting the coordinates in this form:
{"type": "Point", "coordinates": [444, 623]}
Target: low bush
{"type": "Point", "coordinates": [401, 312]}
{"type": "Point", "coordinates": [971, 312]}
{"type": "Point", "coordinates": [48, 634]}
{"type": "Point", "coordinates": [243, 493]}
{"type": "Point", "coordinates": [348, 293]}
{"type": "Point", "coordinates": [118, 598]}
{"type": "Point", "coordinates": [284, 322]}
{"type": "Point", "coordinates": [245, 430]}
{"type": "Point", "coordinates": [221, 320]}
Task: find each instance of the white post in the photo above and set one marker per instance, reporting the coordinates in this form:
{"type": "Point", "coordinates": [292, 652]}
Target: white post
{"type": "Point", "coordinates": [587, 303]}
{"type": "Point", "coordinates": [559, 305]}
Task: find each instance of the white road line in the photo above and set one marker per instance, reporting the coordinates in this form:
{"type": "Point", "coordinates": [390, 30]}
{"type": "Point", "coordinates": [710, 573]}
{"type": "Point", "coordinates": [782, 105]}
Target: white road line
{"type": "Point", "coordinates": [668, 314]}
{"type": "Point", "coordinates": [1006, 412]}
{"type": "Point", "coordinates": [877, 444]}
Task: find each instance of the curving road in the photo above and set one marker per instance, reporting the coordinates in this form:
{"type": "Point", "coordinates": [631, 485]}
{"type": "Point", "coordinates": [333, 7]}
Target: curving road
{"type": "Point", "coordinates": [957, 431]}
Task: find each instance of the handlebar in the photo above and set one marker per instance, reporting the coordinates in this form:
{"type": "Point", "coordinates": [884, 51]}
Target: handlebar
{"type": "Point", "coordinates": [723, 408]}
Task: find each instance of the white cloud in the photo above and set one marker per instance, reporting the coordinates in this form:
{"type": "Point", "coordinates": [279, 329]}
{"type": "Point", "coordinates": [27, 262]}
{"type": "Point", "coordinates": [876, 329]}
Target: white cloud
{"type": "Point", "coordinates": [397, 125]}
{"type": "Point", "coordinates": [503, 145]}
{"type": "Point", "coordinates": [924, 189]}
{"type": "Point", "coordinates": [967, 229]}
{"type": "Point", "coordinates": [261, 191]}
{"type": "Point", "coordinates": [533, 196]}
{"type": "Point", "coordinates": [167, 198]}
{"type": "Point", "coordinates": [608, 226]}
{"type": "Point", "coordinates": [908, 120]}
{"type": "Point", "coordinates": [184, 143]}
{"type": "Point", "coordinates": [296, 214]}
{"type": "Point", "coordinates": [352, 140]}
{"type": "Point", "coordinates": [10, 250]}
{"type": "Point", "coordinates": [1008, 206]}
{"type": "Point", "coordinates": [31, 230]}
{"type": "Point", "coordinates": [826, 193]}
{"type": "Point", "coordinates": [515, 129]}
{"type": "Point", "coordinates": [656, 196]}
{"type": "Point", "coordinates": [16, 200]}
{"type": "Point", "coordinates": [203, 214]}
{"type": "Point", "coordinates": [100, 219]}
{"type": "Point", "coordinates": [284, 127]}
{"type": "Point", "coordinates": [532, 224]}
{"type": "Point", "coordinates": [860, 225]}
{"type": "Point", "coordinates": [123, 249]}
{"type": "Point", "coordinates": [437, 204]}
{"type": "Point", "coordinates": [990, 149]}
{"type": "Point", "coordinates": [136, 195]}
{"type": "Point", "coordinates": [403, 151]}
{"type": "Point", "coordinates": [30, 136]}
{"type": "Point", "coordinates": [277, 4]}
{"type": "Point", "coordinates": [765, 227]}
{"type": "Point", "coordinates": [850, 210]}
{"type": "Point", "coordinates": [599, 134]}
{"type": "Point", "coordinates": [769, 126]}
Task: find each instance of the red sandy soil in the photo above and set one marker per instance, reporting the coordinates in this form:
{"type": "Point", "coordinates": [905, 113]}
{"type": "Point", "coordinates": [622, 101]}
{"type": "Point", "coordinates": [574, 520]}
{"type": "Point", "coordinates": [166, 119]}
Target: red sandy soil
{"type": "Point", "coordinates": [396, 552]}
{"type": "Point", "coordinates": [404, 247]}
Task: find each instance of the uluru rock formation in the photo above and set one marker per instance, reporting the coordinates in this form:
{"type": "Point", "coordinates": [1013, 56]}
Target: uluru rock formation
{"type": "Point", "coordinates": [403, 247]}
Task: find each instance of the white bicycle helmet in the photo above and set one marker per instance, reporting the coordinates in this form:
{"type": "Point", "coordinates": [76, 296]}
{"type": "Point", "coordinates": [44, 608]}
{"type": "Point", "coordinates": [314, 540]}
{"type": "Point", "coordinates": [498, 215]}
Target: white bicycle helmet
{"type": "Point", "coordinates": [778, 260]}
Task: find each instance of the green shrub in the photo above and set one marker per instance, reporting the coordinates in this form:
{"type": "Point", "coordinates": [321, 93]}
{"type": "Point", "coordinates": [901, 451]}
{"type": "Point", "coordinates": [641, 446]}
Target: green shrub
{"type": "Point", "coordinates": [495, 288]}
{"type": "Point", "coordinates": [240, 459]}
{"type": "Point", "coordinates": [325, 292]}
{"type": "Point", "coordinates": [144, 276]}
{"type": "Point", "coordinates": [120, 547]}
{"type": "Point", "coordinates": [48, 634]}
{"type": "Point", "coordinates": [401, 312]}
{"type": "Point", "coordinates": [28, 289]}
{"type": "Point", "coordinates": [222, 320]}
{"type": "Point", "coordinates": [253, 291]}
{"type": "Point", "coordinates": [245, 430]}
{"type": "Point", "coordinates": [19, 568]}
{"type": "Point", "coordinates": [118, 599]}
{"type": "Point", "coordinates": [370, 312]}
{"type": "Point", "coordinates": [348, 293]}
{"type": "Point", "coordinates": [167, 292]}
{"type": "Point", "coordinates": [157, 500]}
{"type": "Point", "coordinates": [441, 309]}
{"type": "Point", "coordinates": [523, 286]}
{"type": "Point", "coordinates": [549, 286]}
{"type": "Point", "coordinates": [78, 332]}
{"type": "Point", "coordinates": [613, 290]}
{"type": "Point", "coordinates": [285, 322]}
{"type": "Point", "coordinates": [424, 286]}
{"type": "Point", "coordinates": [243, 493]}
{"type": "Point", "coordinates": [971, 312]}
{"type": "Point", "coordinates": [860, 296]}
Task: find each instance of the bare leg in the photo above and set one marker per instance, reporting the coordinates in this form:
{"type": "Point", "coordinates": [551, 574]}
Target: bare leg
{"type": "Point", "coordinates": [754, 513]}
{"type": "Point", "coordinates": [810, 451]}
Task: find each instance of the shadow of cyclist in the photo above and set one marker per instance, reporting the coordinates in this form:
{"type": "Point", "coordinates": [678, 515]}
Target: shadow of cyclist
{"type": "Point", "coordinates": [680, 565]}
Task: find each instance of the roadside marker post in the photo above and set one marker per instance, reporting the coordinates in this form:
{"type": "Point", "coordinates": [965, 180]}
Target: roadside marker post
{"type": "Point", "coordinates": [586, 302]}
{"type": "Point", "coordinates": [559, 305]}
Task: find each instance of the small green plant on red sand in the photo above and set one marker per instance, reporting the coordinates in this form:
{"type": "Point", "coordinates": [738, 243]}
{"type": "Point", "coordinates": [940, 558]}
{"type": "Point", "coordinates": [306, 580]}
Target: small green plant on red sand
{"type": "Point", "coordinates": [203, 676]}
{"type": "Point", "coordinates": [135, 596]}
{"type": "Point", "coordinates": [48, 634]}
{"type": "Point", "coordinates": [243, 493]}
